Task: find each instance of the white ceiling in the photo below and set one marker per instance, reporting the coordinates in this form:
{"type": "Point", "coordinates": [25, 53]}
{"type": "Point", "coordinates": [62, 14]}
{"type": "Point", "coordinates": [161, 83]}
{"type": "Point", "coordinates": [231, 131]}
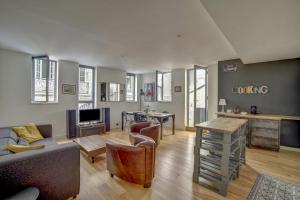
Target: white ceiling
{"type": "Point", "coordinates": [259, 30]}
{"type": "Point", "coordinates": [142, 35]}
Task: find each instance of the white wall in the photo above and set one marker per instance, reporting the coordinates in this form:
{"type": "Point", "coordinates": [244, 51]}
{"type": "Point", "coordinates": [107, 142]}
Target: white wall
{"type": "Point", "coordinates": [177, 106]}
{"type": "Point", "coordinates": [15, 90]}
{"type": "Point", "coordinates": [212, 91]}
{"type": "Point", "coordinates": [116, 108]}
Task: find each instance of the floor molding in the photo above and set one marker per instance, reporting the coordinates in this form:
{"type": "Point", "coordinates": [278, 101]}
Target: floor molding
{"type": "Point", "coordinates": [290, 148]}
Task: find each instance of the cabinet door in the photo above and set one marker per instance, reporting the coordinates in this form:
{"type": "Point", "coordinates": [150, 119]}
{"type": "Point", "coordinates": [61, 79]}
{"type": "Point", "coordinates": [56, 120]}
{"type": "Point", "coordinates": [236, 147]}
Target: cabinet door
{"type": "Point", "coordinates": [265, 138]}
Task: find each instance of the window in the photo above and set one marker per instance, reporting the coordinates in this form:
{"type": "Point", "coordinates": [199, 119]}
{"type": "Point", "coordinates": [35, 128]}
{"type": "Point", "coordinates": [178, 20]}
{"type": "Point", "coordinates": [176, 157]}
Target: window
{"type": "Point", "coordinates": [44, 83]}
{"type": "Point", "coordinates": [159, 86]}
{"type": "Point", "coordinates": [131, 87]}
{"type": "Point", "coordinates": [86, 94]}
{"type": "Point", "coordinates": [114, 92]}
{"type": "Point", "coordinates": [164, 86]}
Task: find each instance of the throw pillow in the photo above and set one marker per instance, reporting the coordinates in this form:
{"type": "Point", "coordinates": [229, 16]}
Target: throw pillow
{"type": "Point", "coordinates": [8, 133]}
{"type": "Point", "coordinates": [30, 136]}
{"type": "Point", "coordinates": [21, 148]}
{"type": "Point", "coordinates": [32, 129]}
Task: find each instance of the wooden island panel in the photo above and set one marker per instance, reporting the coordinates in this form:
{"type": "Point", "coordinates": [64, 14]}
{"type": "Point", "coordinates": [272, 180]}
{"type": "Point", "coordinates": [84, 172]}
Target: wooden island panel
{"type": "Point", "coordinates": [223, 125]}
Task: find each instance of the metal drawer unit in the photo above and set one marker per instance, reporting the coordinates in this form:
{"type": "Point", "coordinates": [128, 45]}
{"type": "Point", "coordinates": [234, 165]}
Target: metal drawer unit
{"type": "Point", "coordinates": [219, 153]}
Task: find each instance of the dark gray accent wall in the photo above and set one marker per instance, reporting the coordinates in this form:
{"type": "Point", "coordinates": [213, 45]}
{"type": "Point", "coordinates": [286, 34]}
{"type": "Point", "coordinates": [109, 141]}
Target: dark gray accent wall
{"type": "Point", "coordinates": [283, 79]}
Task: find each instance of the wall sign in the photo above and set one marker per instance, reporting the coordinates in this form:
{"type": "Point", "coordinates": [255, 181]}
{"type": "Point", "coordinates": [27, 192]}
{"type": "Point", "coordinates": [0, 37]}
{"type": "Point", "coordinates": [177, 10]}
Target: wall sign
{"type": "Point", "coordinates": [251, 89]}
{"type": "Point", "coordinates": [230, 67]}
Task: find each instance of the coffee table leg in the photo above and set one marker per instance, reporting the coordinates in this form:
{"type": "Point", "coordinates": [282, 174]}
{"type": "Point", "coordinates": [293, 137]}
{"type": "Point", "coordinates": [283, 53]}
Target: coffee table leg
{"type": "Point", "coordinates": [93, 159]}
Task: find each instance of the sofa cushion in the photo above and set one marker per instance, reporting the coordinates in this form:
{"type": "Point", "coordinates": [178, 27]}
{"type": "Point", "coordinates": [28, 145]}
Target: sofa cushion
{"type": "Point", "coordinates": [8, 133]}
{"type": "Point", "coordinates": [7, 136]}
{"type": "Point", "coordinates": [22, 141]}
{"type": "Point", "coordinates": [45, 141]}
{"type": "Point", "coordinates": [3, 142]}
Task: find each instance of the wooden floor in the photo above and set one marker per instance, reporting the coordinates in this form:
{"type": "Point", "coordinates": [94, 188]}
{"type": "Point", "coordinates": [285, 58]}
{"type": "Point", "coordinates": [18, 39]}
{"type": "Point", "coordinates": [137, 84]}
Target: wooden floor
{"type": "Point", "coordinates": [174, 169]}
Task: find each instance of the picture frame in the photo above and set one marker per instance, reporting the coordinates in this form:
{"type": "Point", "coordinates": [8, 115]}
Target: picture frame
{"type": "Point", "coordinates": [69, 89]}
{"type": "Point", "coordinates": [178, 88]}
{"type": "Point", "coordinates": [150, 92]}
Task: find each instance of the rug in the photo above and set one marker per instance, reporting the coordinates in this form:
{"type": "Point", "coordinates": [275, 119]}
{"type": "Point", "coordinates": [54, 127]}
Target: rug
{"type": "Point", "coordinates": [269, 188]}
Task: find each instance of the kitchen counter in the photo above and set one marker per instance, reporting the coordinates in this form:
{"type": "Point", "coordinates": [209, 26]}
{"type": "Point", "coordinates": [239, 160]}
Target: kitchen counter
{"type": "Point", "coordinates": [260, 116]}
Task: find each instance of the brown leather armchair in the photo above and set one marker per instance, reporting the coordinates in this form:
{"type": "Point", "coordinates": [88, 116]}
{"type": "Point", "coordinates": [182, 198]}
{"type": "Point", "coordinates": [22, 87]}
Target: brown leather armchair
{"type": "Point", "coordinates": [146, 129]}
{"type": "Point", "coordinates": [136, 127]}
{"type": "Point", "coordinates": [132, 163]}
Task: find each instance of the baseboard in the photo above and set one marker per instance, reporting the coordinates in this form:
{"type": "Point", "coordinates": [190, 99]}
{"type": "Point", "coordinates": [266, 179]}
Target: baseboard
{"type": "Point", "coordinates": [60, 137]}
{"type": "Point", "coordinates": [290, 148]}
{"type": "Point", "coordinates": [190, 129]}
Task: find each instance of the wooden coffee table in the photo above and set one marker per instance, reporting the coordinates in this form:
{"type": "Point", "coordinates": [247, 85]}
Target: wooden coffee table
{"type": "Point", "coordinates": [92, 145]}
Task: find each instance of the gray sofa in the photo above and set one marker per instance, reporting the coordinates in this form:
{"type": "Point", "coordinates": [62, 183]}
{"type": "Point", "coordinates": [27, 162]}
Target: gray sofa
{"type": "Point", "coordinates": [54, 170]}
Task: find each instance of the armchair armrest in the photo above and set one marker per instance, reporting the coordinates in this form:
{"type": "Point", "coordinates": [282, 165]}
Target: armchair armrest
{"type": "Point", "coordinates": [135, 128]}
{"type": "Point", "coordinates": [152, 132]}
{"type": "Point", "coordinates": [149, 146]}
{"type": "Point", "coordinates": [46, 130]}
{"type": "Point", "coordinates": [137, 138]}
{"type": "Point", "coordinates": [50, 170]}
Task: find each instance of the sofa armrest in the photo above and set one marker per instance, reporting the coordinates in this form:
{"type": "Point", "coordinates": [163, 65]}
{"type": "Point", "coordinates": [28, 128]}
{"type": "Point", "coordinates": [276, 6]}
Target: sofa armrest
{"type": "Point", "coordinates": [55, 171]}
{"type": "Point", "coordinates": [46, 130]}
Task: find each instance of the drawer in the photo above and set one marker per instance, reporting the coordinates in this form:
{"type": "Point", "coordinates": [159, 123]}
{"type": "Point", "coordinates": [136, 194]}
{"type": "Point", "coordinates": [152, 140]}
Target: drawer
{"type": "Point", "coordinates": [265, 132]}
{"type": "Point", "coordinates": [262, 123]}
{"type": "Point", "coordinates": [265, 142]}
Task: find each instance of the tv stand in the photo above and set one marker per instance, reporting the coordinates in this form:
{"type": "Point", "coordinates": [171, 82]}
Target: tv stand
{"type": "Point", "coordinates": [91, 129]}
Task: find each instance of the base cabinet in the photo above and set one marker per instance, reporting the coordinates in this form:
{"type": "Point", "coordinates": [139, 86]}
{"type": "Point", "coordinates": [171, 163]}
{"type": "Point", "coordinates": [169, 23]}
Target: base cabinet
{"type": "Point", "coordinates": [265, 133]}
{"type": "Point", "coordinates": [262, 133]}
{"type": "Point", "coordinates": [95, 129]}
{"type": "Point", "coordinates": [264, 142]}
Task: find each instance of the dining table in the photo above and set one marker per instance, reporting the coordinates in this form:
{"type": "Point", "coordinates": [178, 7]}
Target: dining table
{"type": "Point", "coordinates": [160, 116]}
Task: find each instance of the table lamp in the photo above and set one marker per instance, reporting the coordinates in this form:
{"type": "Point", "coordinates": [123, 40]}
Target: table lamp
{"type": "Point", "coordinates": [222, 102]}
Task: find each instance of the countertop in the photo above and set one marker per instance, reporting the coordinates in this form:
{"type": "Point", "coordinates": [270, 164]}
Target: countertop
{"type": "Point", "coordinates": [260, 116]}
{"type": "Point", "coordinates": [223, 125]}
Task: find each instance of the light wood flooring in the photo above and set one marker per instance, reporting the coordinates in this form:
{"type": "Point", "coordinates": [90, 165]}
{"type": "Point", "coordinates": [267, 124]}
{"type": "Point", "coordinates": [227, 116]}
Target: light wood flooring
{"type": "Point", "coordinates": [174, 169]}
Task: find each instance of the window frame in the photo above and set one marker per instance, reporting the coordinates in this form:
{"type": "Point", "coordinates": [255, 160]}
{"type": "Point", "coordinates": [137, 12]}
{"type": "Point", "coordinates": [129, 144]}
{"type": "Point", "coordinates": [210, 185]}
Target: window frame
{"type": "Point", "coordinates": [93, 101]}
{"type": "Point", "coordinates": [33, 78]}
{"type": "Point", "coordinates": [162, 86]}
{"type": "Point", "coordinates": [134, 87]}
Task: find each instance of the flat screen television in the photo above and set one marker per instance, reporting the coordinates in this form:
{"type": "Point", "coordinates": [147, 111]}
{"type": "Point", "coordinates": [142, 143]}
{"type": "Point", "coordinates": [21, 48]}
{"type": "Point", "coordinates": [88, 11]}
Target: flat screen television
{"type": "Point", "coordinates": [89, 115]}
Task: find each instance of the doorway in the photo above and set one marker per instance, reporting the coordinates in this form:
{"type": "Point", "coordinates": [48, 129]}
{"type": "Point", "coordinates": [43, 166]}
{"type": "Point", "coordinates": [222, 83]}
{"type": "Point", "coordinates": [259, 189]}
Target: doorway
{"type": "Point", "coordinates": [196, 95]}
